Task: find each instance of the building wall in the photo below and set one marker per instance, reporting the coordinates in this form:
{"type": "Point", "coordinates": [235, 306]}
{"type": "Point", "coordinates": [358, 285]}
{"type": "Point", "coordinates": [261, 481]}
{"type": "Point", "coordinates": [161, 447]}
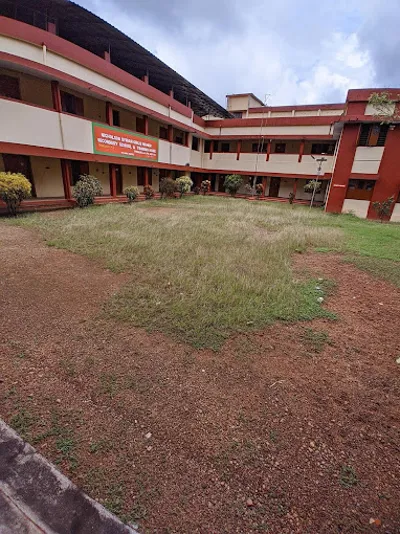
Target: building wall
{"type": "Point", "coordinates": [396, 213]}
{"type": "Point", "coordinates": [47, 177]}
{"type": "Point", "coordinates": [367, 159]}
{"type": "Point", "coordinates": [33, 90]}
{"type": "Point", "coordinates": [102, 172]}
{"type": "Point", "coordinates": [356, 207]}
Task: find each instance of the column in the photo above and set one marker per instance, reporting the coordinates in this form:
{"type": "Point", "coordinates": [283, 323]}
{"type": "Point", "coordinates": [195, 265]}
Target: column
{"type": "Point", "coordinates": [268, 150]}
{"type": "Point", "coordinates": [211, 149]}
{"type": "Point", "coordinates": [56, 94]}
{"type": "Point", "coordinates": [109, 113]}
{"type": "Point", "coordinates": [146, 124]}
{"type": "Point", "coordinates": [264, 184]}
{"type": "Point", "coordinates": [301, 151]}
{"type": "Point", "coordinates": [66, 178]}
{"type": "Point", "coordinates": [170, 133]}
{"type": "Point", "coordinates": [239, 149]}
{"type": "Point", "coordinates": [146, 176]}
{"type": "Point", "coordinates": [113, 180]}
{"type": "Point", "coordinates": [209, 179]}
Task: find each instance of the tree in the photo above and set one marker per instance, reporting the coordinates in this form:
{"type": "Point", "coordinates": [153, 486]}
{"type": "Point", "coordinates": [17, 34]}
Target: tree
{"type": "Point", "coordinates": [232, 183]}
{"type": "Point", "coordinates": [383, 208]}
{"type": "Point", "coordinates": [86, 189]}
{"type": "Point", "coordinates": [183, 185]}
{"type": "Point", "coordinates": [385, 107]}
{"type": "Point", "coordinates": [14, 188]}
{"type": "Point", "coordinates": [167, 187]}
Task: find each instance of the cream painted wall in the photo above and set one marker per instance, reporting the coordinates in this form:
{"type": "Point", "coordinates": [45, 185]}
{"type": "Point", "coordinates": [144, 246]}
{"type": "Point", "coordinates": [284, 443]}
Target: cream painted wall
{"type": "Point", "coordinates": [301, 195]}
{"type": "Point", "coordinates": [33, 90]}
{"type": "Point", "coordinates": [129, 176]}
{"type": "Point", "coordinates": [76, 133]}
{"type": "Point", "coordinates": [47, 177]}
{"type": "Point", "coordinates": [357, 207]}
{"type": "Point", "coordinates": [238, 103]}
{"type": "Point", "coordinates": [396, 213]}
{"type": "Point", "coordinates": [195, 158]}
{"type": "Point", "coordinates": [371, 110]}
{"type": "Point", "coordinates": [102, 172]}
{"type": "Point", "coordinates": [286, 187]}
{"type": "Point", "coordinates": [367, 159]}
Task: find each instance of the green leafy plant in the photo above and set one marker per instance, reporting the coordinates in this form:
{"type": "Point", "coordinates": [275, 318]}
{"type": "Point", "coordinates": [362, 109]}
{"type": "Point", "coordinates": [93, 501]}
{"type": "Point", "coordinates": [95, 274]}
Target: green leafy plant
{"type": "Point", "coordinates": [385, 107]}
{"type": "Point", "coordinates": [232, 183]}
{"type": "Point", "coordinates": [205, 186]}
{"type": "Point", "coordinates": [311, 185]}
{"type": "Point", "coordinates": [383, 208]}
{"type": "Point", "coordinates": [183, 185]}
{"type": "Point", "coordinates": [86, 189]}
{"type": "Point", "coordinates": [167, 187]}
{"type": "Point", "coordinates": [196, 190]}
{"type": "Point", "coordinates": [259, 190]}
{"type": "Point", "coordinates": [348, 477]}
{"type": "Point", "coordinates": [148, 192]}
{"type": "Point", "coordinates": [131, 193]}
{"type": "Point", "coordinates": [291, 197]}
{"type": "Point", "coordinates": [14, 188]}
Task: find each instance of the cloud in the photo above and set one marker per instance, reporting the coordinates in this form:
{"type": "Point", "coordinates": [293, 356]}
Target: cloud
{"type": "Point", "coordinates": [288, 51]}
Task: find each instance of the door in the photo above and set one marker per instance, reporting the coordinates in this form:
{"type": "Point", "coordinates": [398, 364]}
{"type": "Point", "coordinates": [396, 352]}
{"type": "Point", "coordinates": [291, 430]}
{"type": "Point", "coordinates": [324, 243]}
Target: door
{"type": "Point", "coordinates": [118, 178]}
{"type": "Point", "coordinates": [19, 164]}
{"type": "Point", "coordinates": [274, 187]}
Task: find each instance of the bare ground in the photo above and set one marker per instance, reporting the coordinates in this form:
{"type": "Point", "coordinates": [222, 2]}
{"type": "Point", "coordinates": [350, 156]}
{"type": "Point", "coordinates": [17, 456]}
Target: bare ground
{"type": "Point", "coordinates": [272, 434]}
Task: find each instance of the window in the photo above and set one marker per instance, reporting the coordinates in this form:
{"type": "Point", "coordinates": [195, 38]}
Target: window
{"type": "Point", "coordinates": [140, 124]}
{"type": "Point", "coordinates": [360, 189]}
{"type": "Point", "coordinates": [9, 87]}
{"type": "Point", "coordinates": [179, 138]}
{"type": "Point", "coordinates": [373, 134]}
{"type": "Point", "coordinates": [207, 146]}
{"type": "Point", "coordinates": [163, 132]}
{"type": "Point", "coordinates": [225, 147]}
{"type": "Point", "coordinates": [116, 118]}
{"type": "Point", "coordinates": [216, 146]}
{"type": "Point", "coordinates": [280, 148]}
{"type": "Point", "coordinates": [237, 114]}
{"type": "Point", "coordinates": [195, 143]}
{"type": "Point", "coordinates": [71, 104]}
{"type": "Point", "coordinates": [260, 147]}
{"type": "Point", "coordinates": [322, 148]}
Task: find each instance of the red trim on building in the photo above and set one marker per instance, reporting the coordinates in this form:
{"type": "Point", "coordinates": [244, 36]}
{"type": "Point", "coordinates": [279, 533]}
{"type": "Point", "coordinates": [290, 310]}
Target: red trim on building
{"type": "Point", "coordinates": [56, 95]}
{"type": "Point", "coordinates": [325, 120]}
{"type": "Point", "coordinates": [302, 107]}
{"type": "Point", "coordinates": [109, 114]}
{"type": "Point", "coordinates": [343, 166]}
{"type": "Point", "coordinates": [113, 180]}
{"type": "Point", "coordinates": [388, 183]}
{"type": "Point", "coordinates": [363, 95]}
{"type": "Point", "coordinates": [301, 151]}
{"type": "Point", "coordinates": [238, 149]}
{"type": "Point", "coordinates": [268, 150]}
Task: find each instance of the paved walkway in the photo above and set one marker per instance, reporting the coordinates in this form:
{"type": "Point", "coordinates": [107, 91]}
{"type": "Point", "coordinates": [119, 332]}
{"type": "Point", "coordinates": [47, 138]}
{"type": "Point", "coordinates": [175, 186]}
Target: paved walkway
{"type": "Point", "coordinates": [35, 498]}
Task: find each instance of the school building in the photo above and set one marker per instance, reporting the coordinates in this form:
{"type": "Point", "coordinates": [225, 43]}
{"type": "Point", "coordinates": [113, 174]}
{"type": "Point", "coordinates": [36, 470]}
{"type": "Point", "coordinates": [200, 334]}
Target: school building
{"type": "Point", "coordinates": [79, 97]}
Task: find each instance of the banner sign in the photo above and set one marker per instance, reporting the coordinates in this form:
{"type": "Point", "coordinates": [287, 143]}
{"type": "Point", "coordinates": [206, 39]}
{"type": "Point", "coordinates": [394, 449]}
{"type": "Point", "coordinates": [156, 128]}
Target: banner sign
{"type": "Point", "coordinates": [112, 141]}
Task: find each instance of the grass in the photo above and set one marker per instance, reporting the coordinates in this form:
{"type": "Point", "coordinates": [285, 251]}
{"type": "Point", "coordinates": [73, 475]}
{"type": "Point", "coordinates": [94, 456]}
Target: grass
{"type": "Point", "coordinates": [203, 268]}
{"type": "Point", "coordinates": [315, 340]}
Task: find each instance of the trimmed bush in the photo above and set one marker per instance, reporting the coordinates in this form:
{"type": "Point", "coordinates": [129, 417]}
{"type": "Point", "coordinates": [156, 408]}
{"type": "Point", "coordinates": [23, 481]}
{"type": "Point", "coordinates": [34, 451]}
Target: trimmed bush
{"type": "Point", "coordinates": [196, 190]}
{"type": "Point", "coordinates": [167, 187]}
{"type": "Point", "coordinates": [383, 208]}
{"type": "Point", "coordinates": [259, 190]}
{"type": "Point", "coordinates": [232, 183]}
{"type": "Point", "coordinates": [291, 197]}
{"type": "Point", "coordinates": [14, 188]}
{"type": "Point", "coordinates": [183, 185]}
{"type": "Point", "coordinates": [205, 186]}
{"type": "Point", "coordinates": [86, 189]}
{"type": "Point", "coordinates": [131, 193]}
{"type": "Point", "coordinates": [148, 192]}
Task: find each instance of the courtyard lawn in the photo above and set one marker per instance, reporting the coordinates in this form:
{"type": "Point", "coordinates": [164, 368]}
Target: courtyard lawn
{"type": "Point", "coordinates": [203, 268]}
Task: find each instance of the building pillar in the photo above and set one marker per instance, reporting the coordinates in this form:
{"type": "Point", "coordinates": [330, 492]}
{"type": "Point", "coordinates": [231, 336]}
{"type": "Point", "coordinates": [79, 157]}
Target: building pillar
{"type": "Point", "coordinates": [66, 178]}
{"type": "Point", "coordinates": [239, 149]}
{"type": "Point", "coordinates": [56, 94]}
{"type": "Point", "coordinates": [187, 139]}
{"type": "Point", "coordinates": [107, 56]}
{"type": "Point", "coordinates": [146, 78]}
{"type": "Point", "coordinates": [216, 186]}
{"type": "Point", "coordinates": [146, 124]}
{"type": "Point", "coordinates": [146, 176]}
{"type": "Point", "coordinates": [294, 188]}
{"type": "Point", "coordinates": [171, 93]}
{"type": "Point", "coordinates": [343, 166]}
{"type": "Point", "coordinates": [268, 150]}
{"type": "Point", "coordinates": [264, 184]}
{"type": "Point", "coordinates": [388, 183]}
{"type": "Point", "coordinates": [209, 179]}
{"type": "Point", "coordinates": [170, 133]}
{"type": "Point", "coordinates": [211, 149]}
{"type": "Point", "coordinates": [109, 113]}
{"type": "Point", "coordinates": [301, 151]}
{"type": "Point", "coordinates": [113, 180]}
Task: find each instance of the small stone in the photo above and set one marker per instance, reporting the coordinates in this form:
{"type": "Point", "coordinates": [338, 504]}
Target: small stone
{"type": "Point", "coordinates": [398, 360]}
{"type": "Point", "coordinates": [381, 304]}
{"type": "Point", "coordinates": [320, 279]}
{"type": "Point", "coordinates": [148, 435]}
{"type": "Point", "coordinates": [148, 449]}
{"type": "Point", "coordinates": [320, 300]}
{"type": "Point", "coordinates": [58, 401]}
{"type": "Point", "coordinates": [249, 503]}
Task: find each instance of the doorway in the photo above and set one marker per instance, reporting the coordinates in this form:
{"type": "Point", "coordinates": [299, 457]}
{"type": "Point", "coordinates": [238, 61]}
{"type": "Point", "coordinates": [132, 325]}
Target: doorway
{"type": "Point", "coordinates": [118, 179]}
{"type": "Point", "coordinates": [19, 164]}
{"type": "Point", "coordinates": [274, 187]}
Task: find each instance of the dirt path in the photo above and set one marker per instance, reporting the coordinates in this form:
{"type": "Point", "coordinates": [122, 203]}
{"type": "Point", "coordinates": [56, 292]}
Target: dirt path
{"type": "Point", "coordinates": [269, 435]}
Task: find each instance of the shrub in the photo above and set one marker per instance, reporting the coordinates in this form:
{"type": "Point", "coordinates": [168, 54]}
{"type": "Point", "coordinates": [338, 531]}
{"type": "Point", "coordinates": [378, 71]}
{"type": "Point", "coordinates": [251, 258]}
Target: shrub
{"type": "Point", "coordinates": [196, 190]}
{"type": "Point", "coordinates": [259, 190]}
{"type": "Point", "coordinates": [309, 187]}
{"type": "Point", "coordinates": [232, 183]}
{"type": "Point", "coordinates": [205, 186]}
{"type": "Point", "coordinates": [132, 193]}
{"type": "Point", "coordinates": [183, 185]}
{"type": "Point", "coordinates": [86, 189]}
{"type": "Point", "coordinates": [167, 187]}
{"type": "Point", "coordinates": [383, 208]}
{"type": "Point", "coordinates": [291, 197]}
{"type": "Point", "coordinates": [148, 192]}
{"type": "Point", "coordinates": [14, 188]}
{"type": "Point", "coordinates": [248, 189]}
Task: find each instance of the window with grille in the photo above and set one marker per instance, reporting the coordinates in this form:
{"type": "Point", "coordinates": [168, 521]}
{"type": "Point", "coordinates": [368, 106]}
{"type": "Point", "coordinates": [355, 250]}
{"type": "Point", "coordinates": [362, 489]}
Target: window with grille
{"type": "Point", "coordinates": [195, 143]}
{"type": "Point", "coordinates": [373, 134]}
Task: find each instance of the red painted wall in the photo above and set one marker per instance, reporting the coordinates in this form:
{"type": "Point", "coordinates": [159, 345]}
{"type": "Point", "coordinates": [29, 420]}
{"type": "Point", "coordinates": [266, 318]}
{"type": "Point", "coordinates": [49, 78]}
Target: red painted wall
{"type": "Point", "coordinates": [388, 183]}
{"type": "Point", "coordinates": [344, 164]}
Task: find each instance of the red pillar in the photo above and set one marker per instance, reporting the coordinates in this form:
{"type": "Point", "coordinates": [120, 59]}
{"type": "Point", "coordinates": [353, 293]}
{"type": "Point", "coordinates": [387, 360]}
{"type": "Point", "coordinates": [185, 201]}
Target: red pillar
{"type": "Point", "coordinates": [211, 149]}
{"type": "Point", "coordinates": [264, 184]}
{"type": "Point", "coordinates": [388, 183]}
{"type": "Point", "coordinates": [170, 133]}
{"type": "Point", "coordinates": [187, 139]}
{"type": "Point", "coordinates": [301, 151]}
{"type": "Point", "coordinates": [209, 179]}
{"type": "Point", "coordinates": [109, 113]}
{"type": "Point", "coordinates": [146, 176]}
{"type": "Point", "coordinates": [66, 178]}
{"type": "Point", "coordinates": [113, 180]}
{"type": "Point", "coordinates": [56, 94]}
{"type": "Point", "coordinates": [107, 56]}
{"type": "Point", "coordinates": [146, 124]}
{"type": "Point", "coordinates": [268, 150]}
{"type": "Point", "coordinates": [295, 188]}
{"type": "Point", "coordinates": [239, 149]}
{"type": "Point", "coordinates": [146, 78]}
{"type": "Point", "coordinates": [343, 166]}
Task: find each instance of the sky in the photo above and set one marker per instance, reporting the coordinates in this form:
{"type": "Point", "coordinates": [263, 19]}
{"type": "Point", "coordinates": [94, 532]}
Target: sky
{"type": "Point", "coordinates": [285, 52]}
